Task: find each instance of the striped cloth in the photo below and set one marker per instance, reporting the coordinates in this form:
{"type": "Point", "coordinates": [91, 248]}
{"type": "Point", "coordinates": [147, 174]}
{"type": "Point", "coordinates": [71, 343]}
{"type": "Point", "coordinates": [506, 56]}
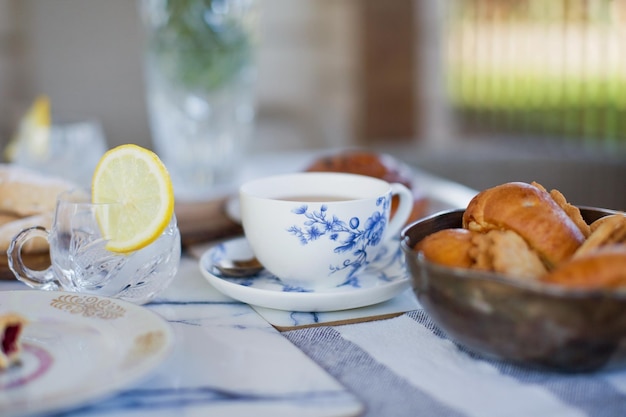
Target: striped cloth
{"type": "Point", "coordinates": [406, 366]}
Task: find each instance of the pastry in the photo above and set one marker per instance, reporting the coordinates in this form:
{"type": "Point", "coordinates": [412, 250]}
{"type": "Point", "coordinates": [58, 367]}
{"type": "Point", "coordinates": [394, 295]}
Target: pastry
{"type": "Point", "coordinates": [7, 218]}
{"type": "Point", "coordinates": [606, 231]}
{"type": "Point", "coordinates": [25, 192]}
{"type": "Point", "coordinates": [602, 268]}
{"type": "Point", "coordinates": [9, 230]}
{"type": "Point", "coordinates": [523, 231]}
{"type": "Point", "coordinates": [572, 211]}
{"type": "Point", "coordinates": [28, 199]}
{"type": "Point", "coordinates": [449, 247]}
{"type": "Point", "coordinates": [11, 326]}
{"type": "Point", "coordinates": [376, 165]}
{"type": "Point", "coordinates": [530, 212]}
{"type": "Point", "coordinates": [505, 252]}
{"type": "Point", "coordinates": [363, 162]}
{"type": "Point", "coordinates": [500, 251]}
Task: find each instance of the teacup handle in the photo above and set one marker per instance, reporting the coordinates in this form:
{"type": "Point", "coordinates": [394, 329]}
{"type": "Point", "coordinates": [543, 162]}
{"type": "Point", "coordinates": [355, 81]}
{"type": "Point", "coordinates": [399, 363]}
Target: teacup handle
{"type": "Point", "coordinates": [405, 207]}
{"type": "Point", "coordinates": [45, 279]}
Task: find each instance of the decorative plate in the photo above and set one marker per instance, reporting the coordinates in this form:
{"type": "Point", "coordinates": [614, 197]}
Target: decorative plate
{"type": "Point", "coordinates": [78, 348]}
{"type": "Point", "coordinates": [384, 278]}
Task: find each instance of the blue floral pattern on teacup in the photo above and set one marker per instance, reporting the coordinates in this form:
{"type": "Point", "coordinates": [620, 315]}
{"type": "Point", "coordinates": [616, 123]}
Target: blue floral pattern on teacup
{"type": "Point", "coordinates": [387, 266]}
{"type": "Point", "coordinates": [353, 236]}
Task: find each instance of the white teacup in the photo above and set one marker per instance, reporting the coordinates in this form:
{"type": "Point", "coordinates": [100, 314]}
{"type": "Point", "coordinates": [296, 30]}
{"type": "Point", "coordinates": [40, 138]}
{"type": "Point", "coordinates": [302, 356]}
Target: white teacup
{"type": "Point", "coordinates": [317, 230]}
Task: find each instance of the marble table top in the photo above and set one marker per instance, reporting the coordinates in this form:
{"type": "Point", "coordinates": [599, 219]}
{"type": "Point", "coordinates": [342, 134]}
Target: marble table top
{"type": "Point", "coordinates": [227, 360]}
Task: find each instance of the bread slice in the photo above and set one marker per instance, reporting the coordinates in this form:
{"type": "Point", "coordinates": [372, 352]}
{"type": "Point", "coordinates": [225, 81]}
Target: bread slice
{"type": "Point", "coordinates": [25, 192]}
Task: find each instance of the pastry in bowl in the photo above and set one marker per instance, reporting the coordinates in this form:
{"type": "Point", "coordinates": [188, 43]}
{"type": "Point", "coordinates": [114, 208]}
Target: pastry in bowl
{"type": "Point", "coordinates": [603, 268]}
{"type": "Point", "coordinates": [569, 315]}
{"type": "Point", "coordinates": [521, 230]}
{"type": "Point", "coordinates": [531, 212]}
{"type": "Point", "coordinates": [450, 247]}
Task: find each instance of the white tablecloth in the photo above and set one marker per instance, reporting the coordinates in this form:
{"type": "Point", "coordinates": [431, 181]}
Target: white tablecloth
{"type": "Point", "coordinates": [406, 366]}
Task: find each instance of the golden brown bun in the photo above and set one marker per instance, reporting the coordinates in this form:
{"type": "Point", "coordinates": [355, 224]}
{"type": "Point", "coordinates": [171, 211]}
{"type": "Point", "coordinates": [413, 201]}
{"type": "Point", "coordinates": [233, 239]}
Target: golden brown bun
{"type": "Point", "coordinates": [604, 268]}
{"type": "Point", "coordinates": [376, 165]}
{"type": "Point", "coordinates": [530, 212]}
{"type": "Point", "coordinates": [449, 247]}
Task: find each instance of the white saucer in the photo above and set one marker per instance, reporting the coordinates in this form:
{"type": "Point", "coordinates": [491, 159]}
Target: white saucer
{"type": "Point", "coordinates": [384, 278]}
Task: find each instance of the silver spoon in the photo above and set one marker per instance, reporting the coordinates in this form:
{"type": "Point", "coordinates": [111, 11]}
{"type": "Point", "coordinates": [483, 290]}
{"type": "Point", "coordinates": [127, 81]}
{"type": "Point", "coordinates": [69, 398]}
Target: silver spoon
{"type": "Point", "coordinates": [238, 268]}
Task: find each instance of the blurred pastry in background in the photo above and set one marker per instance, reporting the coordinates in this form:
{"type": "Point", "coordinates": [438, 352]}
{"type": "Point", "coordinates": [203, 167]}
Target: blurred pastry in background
{"type": "Point", "coordinates": [27, 198]}
{"type": "Point", "coordinates": [26, 192]}
{"type": "Point", "coordinates": [377, 165]}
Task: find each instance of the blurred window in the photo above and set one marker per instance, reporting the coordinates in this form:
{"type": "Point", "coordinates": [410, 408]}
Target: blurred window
{"type": "Point", "coordinates": [548, 68]}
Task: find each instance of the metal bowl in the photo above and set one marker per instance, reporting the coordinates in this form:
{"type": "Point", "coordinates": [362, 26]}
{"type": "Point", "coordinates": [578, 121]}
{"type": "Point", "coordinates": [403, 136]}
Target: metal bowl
{"type": "Point", "coordinates": [532, 323]}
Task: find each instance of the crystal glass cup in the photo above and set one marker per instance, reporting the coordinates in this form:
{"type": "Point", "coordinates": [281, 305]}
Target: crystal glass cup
{"type": "Point", "coordinates": [80, 262]}
{"type": "Point", "coordinates": [200, 76]}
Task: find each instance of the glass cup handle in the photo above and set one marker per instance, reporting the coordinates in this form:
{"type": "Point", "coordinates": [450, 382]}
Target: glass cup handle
{"type": "Point", "coordinates": [45, 279]}
{"type": "Point", "coordinates": [405, 207]}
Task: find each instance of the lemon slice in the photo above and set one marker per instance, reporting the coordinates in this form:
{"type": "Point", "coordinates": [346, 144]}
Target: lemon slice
{"type": "Point", "coordinates": [33, 132]}
{"type": "Point", "coordinates": [139, 194]}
